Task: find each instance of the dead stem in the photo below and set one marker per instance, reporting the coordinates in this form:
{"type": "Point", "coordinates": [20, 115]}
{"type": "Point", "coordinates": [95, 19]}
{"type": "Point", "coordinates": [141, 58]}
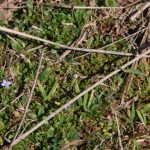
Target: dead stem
{"type": "Point", "coordinates": [4, 29]}
{"type": "Point", "coordinates": [30, 98]}
{"type": "Point", "coordinates": [68, 104]}
{"type": "Point", "coordinates": [119, 134]}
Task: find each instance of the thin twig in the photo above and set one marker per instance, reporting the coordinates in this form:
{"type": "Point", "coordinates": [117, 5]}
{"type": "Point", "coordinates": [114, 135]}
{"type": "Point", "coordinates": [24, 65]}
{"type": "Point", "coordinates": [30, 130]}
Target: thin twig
{"type": "Point", "coordinates": [4, 29]}
{"type": "Point", "coordinates": [134, 66]}
{"type": "Point", "coordinates": [30, 98]}
{"type": "Point", "coordinates": [34, 48]}
{"type": "Point", "coordinates": [81, 56]}
{"type": "Point", "coordinates": [96, 7]}
{"type": "Point", "coordinates": [23, 136]}
{"type": "Point", "coordinates": [74, 44]}
{"type": "Point", "coordinates": [63, 5]}
{"type": "Point", "coordinates": [12, 102]}
{"type": "Point", "coordinates": [118, 129]}
{"type": "Point", "coordinates": [129, 80]}
{"type": "Point", "coordinates": [82, 37]}
{"type": "Point", "coordinates": [72, 143]}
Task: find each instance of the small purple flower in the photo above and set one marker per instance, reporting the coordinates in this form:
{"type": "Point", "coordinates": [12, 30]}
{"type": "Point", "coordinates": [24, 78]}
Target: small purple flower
{"type": "Point", "coordinates": [6, 84]}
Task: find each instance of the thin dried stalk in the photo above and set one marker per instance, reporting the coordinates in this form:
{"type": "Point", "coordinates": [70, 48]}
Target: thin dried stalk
{"type": "Point", "coordinates": [137, 14]}
{"type": "Point", "coordinates": [4, 29]}
{"type": "Point", "coordinates": [23, 136]}
{"type": "Point", "coordinates": [30, 98]}
{"type": "Point", "coordinates": [118, 129]}
{"type": "Point", "coordinates": [12, 101]}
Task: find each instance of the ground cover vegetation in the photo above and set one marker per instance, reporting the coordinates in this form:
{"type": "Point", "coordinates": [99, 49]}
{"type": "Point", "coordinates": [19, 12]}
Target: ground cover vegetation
{"type": "Point", "coordinates": [56, 96]}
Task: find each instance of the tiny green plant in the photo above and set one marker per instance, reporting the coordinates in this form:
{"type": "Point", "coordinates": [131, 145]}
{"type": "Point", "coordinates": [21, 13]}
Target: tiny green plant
{"type": "Point", "coordinates": [47, 94]}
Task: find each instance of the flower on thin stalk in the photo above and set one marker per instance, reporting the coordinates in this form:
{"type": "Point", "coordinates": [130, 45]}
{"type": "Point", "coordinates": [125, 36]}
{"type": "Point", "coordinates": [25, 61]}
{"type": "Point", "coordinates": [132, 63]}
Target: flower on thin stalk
{"type": "Point", "coordinates": [6, 84]}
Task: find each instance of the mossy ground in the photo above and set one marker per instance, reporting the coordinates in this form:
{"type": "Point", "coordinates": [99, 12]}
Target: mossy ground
{"type": "Point", "coordinates": [90, 123]}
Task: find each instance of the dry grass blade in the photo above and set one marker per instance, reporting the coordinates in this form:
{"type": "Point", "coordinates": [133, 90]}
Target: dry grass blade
{"type": "Point", "coordinates": [23, 136]}
{"type": "Point", "coordinates": [128, 84]}
{"type": "Point", "coordinates": [140, 11]}
{"type": "Point", "coordinates": [4, 29]}
{"type": "Point", "coordinates": [30, 97]}
{"type": "Point", "coordinates": [134, 66]}
{"type": "Point", "coordinates": [12, 101]}
{"type": "Point", "coordinates": [63, 5]}
{"type": "Point", "coordinates": [119, 134]}
{"type": "Point", "coordinates": [74, 44]}
{"type": "Point", "coordinates": [76, 142]}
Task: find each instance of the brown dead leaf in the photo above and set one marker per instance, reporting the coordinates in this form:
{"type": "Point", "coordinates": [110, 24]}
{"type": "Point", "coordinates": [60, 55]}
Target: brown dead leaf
{"type": "Point", "coordinates": [7, 7]}
{"type": "Point", "coordinates": [144, 143]}
{"type": "Point", "coordinates": [32, 147]}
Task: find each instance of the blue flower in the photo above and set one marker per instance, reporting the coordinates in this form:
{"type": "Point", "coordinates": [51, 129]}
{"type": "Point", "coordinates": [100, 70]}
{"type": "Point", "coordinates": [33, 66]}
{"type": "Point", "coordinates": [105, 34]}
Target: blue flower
{"type": "Point", "coordinates": [6, 84]}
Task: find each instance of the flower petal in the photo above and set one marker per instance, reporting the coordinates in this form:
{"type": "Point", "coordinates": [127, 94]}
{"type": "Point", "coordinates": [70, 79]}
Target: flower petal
{"type": "Point", "coordinates": [6, 84]}
{"type": "Point", "coordinates": [2, 84]}
{"type": "Point", "coordinates": [4, 81]}
{"type": "Point", "coordinates": [9, 83]}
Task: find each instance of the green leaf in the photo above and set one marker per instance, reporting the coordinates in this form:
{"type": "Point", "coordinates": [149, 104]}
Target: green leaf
{"type": "Point", "coordinates": [91, 98]}
{"type": "Point", "coordinates": [90, 41]}
{"type": "Point", "coordinates": [17, 45]}
{"type": "Point", "coordinates": [77, 89]}
{"type": "Point", "coordinates": [45, 74]}
{"type": "Point", "coordinates": [71, 134]}
{"type": "Point", "coordinates": [134, 71]}
{"type": "Point", "coordinates": [29, 4]}
{"type": "Point", "coordinates": [141, 116]}
{"type": "Point", "coordinates": [32, 115]}
{"type": "Point", "coordinates": [85, 99]}
{"type": "Point", "coordinates": [61, 117]}
{"type": "Point", "coordinates": [1, 125]}
{"type": "Point", "coordinates": [1, 141]}
{"type": "Point", "coordinates": [42, 90]}
{"type": "Point", "coordinates": [133, 112]}
{"type": "Point", "coordinates": [80, 101]}
{"type": "Point", "coordinates": [52, 91]}
{"type": "Point", "coordinates": [146, 108]}
{"type": "Point", "coordinates": [40, 109]}
{"type": "Point", "coordinates": [110, 3]}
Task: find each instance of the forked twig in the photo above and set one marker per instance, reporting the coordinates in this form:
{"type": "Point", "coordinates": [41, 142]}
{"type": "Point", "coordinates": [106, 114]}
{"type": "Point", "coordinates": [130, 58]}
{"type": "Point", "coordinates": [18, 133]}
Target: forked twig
{"type": "Point", "coordinates": [23, 136]}
{"type": "Point", "coordinates": [30, 97]}
{"type": "Point", "coordinates": [4, 29]}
